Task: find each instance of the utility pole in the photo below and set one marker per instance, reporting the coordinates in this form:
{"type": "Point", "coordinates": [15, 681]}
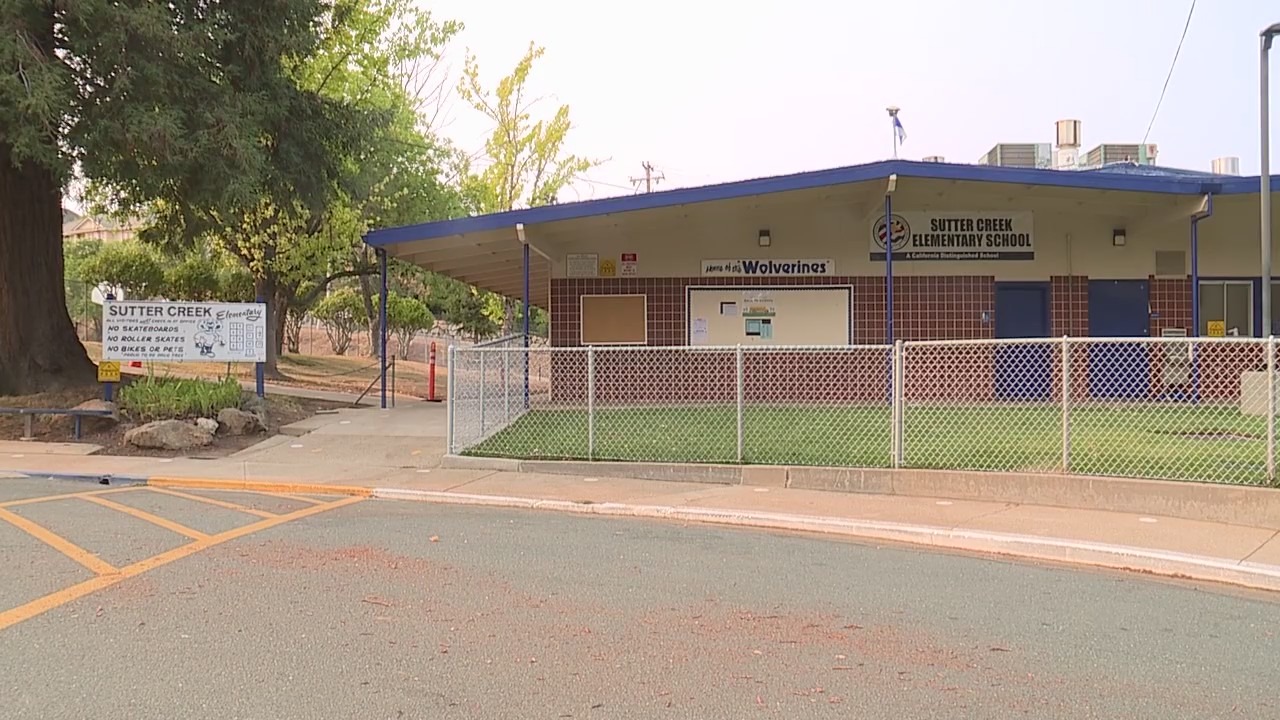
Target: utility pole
{"type": "Point", "coordinates": [649, 177]}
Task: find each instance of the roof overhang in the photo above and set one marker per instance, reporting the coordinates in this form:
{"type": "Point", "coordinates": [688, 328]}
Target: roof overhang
{"type": "Point", "coordinates": [488, 250]}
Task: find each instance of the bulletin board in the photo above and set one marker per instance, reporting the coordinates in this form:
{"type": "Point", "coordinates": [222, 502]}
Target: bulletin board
{"type": "Point", "coordinates": [769, 315]}
{"type": "Point", "coordinates": [614, 320]}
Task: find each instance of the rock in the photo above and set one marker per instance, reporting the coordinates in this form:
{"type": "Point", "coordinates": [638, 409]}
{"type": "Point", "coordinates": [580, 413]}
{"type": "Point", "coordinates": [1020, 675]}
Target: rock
{"type": "Point", "coordinates": [233, 421]}
{"type": "Point", "coordinates": [255, 405]}
{"type": "Point", "coordinates": [209, 425]}
{"type": "Point", "coordinates": [168, 435]}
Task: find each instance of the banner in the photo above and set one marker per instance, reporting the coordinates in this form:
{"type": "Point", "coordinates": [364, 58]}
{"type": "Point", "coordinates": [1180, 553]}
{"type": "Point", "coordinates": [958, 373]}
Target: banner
{"type": "Point", "coordinates": [956, 236]}
{"type": "Point", "coordinates": [184, 331]}
{"type": "Point", "coordinates": [767, 268]}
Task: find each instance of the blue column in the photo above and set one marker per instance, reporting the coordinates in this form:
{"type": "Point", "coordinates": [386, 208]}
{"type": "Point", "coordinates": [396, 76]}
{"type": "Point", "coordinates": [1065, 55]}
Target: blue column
{"type": "Point", "coordinates": [526, 326]}
{"type": "Point", "coordinates": [888, 268]}
{"type": "Point", "coordinates": [382, 325]}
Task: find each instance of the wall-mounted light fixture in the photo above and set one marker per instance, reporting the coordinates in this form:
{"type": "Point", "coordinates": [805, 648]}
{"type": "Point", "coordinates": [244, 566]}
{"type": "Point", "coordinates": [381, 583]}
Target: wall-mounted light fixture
{"type": "Point", "coordinates": [765, 238]}
{"type": "Point", "coordinates": [1118, 238]}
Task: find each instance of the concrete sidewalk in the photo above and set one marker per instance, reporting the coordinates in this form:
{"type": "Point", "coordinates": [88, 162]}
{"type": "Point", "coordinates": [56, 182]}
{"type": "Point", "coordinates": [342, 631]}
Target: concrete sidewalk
{"type": "Point", "coordinates": [397, 454]}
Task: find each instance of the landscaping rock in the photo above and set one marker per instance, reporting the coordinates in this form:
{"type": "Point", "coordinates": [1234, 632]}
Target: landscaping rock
{"type": "Point", "coordinates": [168, 435]}
{"type": "Point", "coordinates": [234, 421]}
{"type": "Point", "coordinates": [92, 423]}
{"type": "Point", "coordinates": [209, 425]}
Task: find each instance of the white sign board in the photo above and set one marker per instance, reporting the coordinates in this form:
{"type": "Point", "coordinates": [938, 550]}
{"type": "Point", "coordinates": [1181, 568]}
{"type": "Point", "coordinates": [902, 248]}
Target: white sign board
{"type": "Point", "coordinates": [582, 265]}
{"type": "Point", "coordinates": [955, 236]}
{"type": "Point", "coordinates": [768, 268]}
{"type": "Point", "coordinates": [184, 331]}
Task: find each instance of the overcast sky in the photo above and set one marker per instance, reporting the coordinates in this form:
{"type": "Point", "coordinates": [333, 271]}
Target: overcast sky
{"type": "Point", "coordinates": [717, 90]}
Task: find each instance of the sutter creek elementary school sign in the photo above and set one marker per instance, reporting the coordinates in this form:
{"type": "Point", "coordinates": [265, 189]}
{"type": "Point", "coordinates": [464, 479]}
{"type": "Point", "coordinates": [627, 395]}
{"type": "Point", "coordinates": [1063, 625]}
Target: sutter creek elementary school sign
{"type": "Point", "coordinates": [955, 236]}
{"type": "Point", "coordinates": [184, 331]}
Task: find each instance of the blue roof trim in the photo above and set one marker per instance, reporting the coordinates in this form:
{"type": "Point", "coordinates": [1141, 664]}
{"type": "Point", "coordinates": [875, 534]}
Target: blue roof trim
{"type": "Point", "coordinates": [1122, 178]}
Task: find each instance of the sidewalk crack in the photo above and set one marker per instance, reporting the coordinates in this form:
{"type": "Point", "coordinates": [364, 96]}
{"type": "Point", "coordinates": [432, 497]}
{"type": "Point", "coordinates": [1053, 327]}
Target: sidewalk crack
{"type": "Point", "coordinates": [982, 516]}
{"type": "Point", "coordinates": [1275, 534]}
{"type": "Point", "coordinates": [474, 479]}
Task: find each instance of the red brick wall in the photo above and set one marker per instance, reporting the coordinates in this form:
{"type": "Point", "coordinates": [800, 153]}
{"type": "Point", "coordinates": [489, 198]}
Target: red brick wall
{"type": "Point", "coordinates": [926, 308]}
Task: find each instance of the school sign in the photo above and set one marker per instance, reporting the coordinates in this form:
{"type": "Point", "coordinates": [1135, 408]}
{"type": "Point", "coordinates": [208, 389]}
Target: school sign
{"type": "Point", "coordinates": [954, 236]}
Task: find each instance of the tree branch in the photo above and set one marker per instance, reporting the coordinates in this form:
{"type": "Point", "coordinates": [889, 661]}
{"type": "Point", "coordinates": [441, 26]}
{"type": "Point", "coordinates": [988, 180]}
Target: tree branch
{"type": "Point", "coordinates": [320, 286]}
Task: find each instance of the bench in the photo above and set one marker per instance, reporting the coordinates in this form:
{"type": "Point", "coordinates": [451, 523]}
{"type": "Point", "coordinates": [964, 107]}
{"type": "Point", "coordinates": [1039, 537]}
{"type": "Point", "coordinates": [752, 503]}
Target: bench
{"type": "Point", "coordinates": [28, 414]}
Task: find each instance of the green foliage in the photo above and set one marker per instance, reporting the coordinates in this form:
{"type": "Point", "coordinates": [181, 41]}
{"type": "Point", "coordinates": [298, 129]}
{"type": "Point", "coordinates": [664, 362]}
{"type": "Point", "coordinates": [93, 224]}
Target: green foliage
{"type": "Point", "coordinates": [79, 294]}
{"type": "Point", "coordinates": [194, 277]}
{"type": "Point", "coordinates": [527, 160]}
{"type": "Point", "coordinates": [136, 268]}
{"type": "Point", "coordinates": [162, 398]}
{"type": "Point", "coordinates": [406, 317]}
{"type": "Point", "coordinates": [342, 313]}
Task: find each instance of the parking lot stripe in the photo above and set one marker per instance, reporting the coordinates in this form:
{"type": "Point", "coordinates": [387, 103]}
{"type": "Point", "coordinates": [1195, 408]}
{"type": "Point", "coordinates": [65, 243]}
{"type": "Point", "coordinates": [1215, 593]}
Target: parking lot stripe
{"type": "Point", "coordinates": [214, 501]}
{"type": "Point", "coordinates": [299, 498]}
{"type": "Point", "coordinates": [64, 496]}
{"type": "Point", "coordinates": [57, 542]}
{"type": "Point", "coordinates": [153, 519]}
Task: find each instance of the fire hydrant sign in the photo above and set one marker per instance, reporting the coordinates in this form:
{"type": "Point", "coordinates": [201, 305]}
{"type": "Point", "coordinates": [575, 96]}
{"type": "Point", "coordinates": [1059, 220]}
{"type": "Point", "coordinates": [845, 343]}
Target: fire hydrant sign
{"type": "Point", "coordinates": [184, 331]}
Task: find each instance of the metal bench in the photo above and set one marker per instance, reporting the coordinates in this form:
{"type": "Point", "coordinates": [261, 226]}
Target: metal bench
{"type": "Point", "coordinates": [29, 414]}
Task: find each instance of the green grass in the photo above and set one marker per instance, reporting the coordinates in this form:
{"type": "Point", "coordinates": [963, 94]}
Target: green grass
{"type": "Point", "coordinates": [1199, 442]}
{"type": "Point", "coordinates": [163, 398]}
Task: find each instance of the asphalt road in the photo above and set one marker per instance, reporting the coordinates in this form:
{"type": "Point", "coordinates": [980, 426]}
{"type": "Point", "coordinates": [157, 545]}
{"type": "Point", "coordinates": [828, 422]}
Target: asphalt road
{"type": "Point", "coordinates": [383, 609]}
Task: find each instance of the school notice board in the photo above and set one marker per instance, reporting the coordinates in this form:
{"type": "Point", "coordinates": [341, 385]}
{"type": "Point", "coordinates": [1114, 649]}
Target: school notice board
{"type": "Point", "coordinates": [769, 316]}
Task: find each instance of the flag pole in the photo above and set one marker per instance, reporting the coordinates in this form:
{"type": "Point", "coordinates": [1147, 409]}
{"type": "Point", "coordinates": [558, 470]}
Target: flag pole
{"type": "Point", "coordinates": [893, 127]}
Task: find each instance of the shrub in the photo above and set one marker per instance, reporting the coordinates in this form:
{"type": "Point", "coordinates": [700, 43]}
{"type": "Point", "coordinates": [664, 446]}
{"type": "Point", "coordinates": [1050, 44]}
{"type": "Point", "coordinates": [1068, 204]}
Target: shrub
{"type": "Point", "coordinates": [165, 398]}
{"type": "Point", "coordinates": [342, 313]}
{"type": "Point", "coordinates": [406, 317]}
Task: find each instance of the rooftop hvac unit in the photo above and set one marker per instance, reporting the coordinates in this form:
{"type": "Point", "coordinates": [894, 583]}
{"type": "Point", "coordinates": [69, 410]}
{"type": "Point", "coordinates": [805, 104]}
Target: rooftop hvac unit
{"type": "Point", "coordinates": [1068, 133]}
{"type": "Point", "coordinates": [1066, 158]}
{"type": "Point", "coordinates": [934, 159]}
{"type": "Point", "coordinates": [1226, 166]}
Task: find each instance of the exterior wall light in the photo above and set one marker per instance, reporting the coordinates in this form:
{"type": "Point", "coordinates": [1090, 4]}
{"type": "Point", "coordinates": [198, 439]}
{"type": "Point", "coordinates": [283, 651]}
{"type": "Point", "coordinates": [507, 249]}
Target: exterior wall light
{"type": "Point", "coordinates": [1118, 238]}
{"type": "Point", "coordinates": [765, 239]}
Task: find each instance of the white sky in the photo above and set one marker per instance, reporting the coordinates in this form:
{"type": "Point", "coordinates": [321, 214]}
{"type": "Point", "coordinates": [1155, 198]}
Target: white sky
{"type": "Point", "coordinates": [718, 90]}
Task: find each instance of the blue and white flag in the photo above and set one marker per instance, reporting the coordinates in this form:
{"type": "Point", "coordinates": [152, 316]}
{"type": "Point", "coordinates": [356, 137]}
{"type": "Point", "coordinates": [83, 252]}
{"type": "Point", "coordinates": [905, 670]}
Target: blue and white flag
{"type": "Point", "coordinates": [897, 127]}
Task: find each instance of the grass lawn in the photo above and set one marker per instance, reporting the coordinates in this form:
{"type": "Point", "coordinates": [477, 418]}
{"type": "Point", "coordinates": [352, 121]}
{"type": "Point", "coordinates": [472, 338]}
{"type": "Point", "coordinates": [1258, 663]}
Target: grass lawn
{"type": "Point", "coordinates": [1183, 442]}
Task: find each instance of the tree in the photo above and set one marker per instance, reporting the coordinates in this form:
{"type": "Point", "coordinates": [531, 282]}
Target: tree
{"type": "Point", "coordinates": [342, 315]}
{"type": "Point", "coordinates": [527, 161]}
{"type": "Point", "coordinates": [406, 317]}
{"type": "Point", "coordinates": [83, 310]}
{"type": "Point", "coordinates": [136, 268]}
{"type": "Point", "coordinates": [188, 109]}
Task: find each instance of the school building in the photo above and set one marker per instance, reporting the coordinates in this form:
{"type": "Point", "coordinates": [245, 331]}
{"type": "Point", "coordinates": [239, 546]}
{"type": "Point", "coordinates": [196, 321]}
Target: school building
{"type": "Point", "coordinates": [875, 253]}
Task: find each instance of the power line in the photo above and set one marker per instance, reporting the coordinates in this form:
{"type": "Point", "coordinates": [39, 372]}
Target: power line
{"type": "Point", "coordinates": [649, 177]}
{"type": "Point", "coordinates": [1168, 77]}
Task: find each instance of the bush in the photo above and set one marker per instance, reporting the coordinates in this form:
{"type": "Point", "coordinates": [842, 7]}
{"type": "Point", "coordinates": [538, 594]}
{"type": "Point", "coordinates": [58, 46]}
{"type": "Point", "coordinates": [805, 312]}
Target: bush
{"type": "Point", "coordinates": [165, 398]}
{"type": "Point", "coordinates": [342, 313]}
{"type": "Point", "coordinates": [131, 265]}
{"type": "Point", "coordinates": [406, 317]}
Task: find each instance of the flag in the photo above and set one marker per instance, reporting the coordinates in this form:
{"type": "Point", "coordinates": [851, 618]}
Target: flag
{"type": "Point", "coordinates": [897, 127]}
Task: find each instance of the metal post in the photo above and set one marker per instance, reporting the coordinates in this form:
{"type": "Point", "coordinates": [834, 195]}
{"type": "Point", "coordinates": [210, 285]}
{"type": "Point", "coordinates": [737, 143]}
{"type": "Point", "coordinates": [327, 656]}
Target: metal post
{"type": "Point", "coordinates": [1271, 410]}
{"type": "Point", "coordinates": [741, 398]}
{"type": "Point", "coordinates": [450, 432]}
{"type": "Point", "coordinates": [591, 403]}
{"type": "Point", "coordinates": [526, 326]}
{"type": "Point", "coordinates": [1066, 404]}
{"type": "Point", "coordinates": [1264, 113]}
{"type": "Point", "coordinates": [483, 381]}
{"type": "Point", "coordinates": [382, 325]}
{"type": "Point", "coordinates": [260, 369]}
{"type": "Point", "coordinates": [897, 405]}
{"type": "Point", "coordinates": [888, 268]}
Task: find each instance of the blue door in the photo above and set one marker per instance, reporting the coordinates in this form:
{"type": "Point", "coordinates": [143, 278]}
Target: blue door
{"type": "Point", "coordinates": [1023, 372]}
{"type": "Point", "coordinates": [1118, 308]}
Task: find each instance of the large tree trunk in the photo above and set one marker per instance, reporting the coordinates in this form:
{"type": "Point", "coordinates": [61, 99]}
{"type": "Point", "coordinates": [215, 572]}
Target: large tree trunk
{"type": "Point", "coordinates": [265, 289]}
{"type": "Point", "coordinates": [39, 350]}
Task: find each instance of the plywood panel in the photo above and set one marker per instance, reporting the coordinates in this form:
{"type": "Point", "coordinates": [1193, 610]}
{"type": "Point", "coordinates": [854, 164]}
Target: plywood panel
{"type": "Point", "coordinates": [769, 316]}
{"type": "Point", "coordinates": [614, 320]}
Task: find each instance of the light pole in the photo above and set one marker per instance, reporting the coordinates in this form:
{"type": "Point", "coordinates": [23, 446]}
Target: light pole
{"type": "Point", "coordinates": [1267, 35]}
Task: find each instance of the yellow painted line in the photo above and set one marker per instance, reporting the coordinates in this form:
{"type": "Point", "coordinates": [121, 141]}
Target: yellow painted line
{"type": "Point", "coordinates": [57, 542]}
{"type": "Point", "coordinates": [44, 604]}
{"type": "Point", "coordinates": [288, 496]}
{"type": "Point", "coordinates": [214, 501]}
{"type": "Point", "coordinates": [64, 496]}
{"type": "Point", "coordinates": [276, 488]}
{"type": "Point", "coordinates": [165, 523]}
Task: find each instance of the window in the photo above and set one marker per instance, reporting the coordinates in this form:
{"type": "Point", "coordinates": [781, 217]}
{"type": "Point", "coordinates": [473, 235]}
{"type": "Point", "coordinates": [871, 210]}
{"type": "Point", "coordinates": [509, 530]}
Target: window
{"type": "Point", "coordinates": [1229, 302]}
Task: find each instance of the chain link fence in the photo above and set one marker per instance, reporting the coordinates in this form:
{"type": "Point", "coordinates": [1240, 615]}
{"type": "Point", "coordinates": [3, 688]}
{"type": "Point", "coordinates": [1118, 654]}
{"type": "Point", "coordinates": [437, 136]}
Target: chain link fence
{"type": "Point", "coordinates": [1168, 408]}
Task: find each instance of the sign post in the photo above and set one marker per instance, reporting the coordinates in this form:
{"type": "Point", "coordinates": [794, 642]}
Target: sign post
{"type": "Point", "coordinates": [162, 331]}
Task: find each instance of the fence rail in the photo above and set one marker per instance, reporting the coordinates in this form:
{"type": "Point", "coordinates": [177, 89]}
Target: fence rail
{"type": "Point", "coordinates": [1170, 408]}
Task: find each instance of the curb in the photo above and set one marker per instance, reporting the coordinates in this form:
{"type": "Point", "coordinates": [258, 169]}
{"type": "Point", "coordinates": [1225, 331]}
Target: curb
{"type": "Point", "coordinates": [260, 486]}
{"type": "Point", "coordinates": [1075, 552]}
{"type": "Point", "coordinates": [82, 477]}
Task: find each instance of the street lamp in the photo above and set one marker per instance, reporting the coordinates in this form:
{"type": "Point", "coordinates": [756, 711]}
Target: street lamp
{"type": "Point", "coordinates": [1267, 35]}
